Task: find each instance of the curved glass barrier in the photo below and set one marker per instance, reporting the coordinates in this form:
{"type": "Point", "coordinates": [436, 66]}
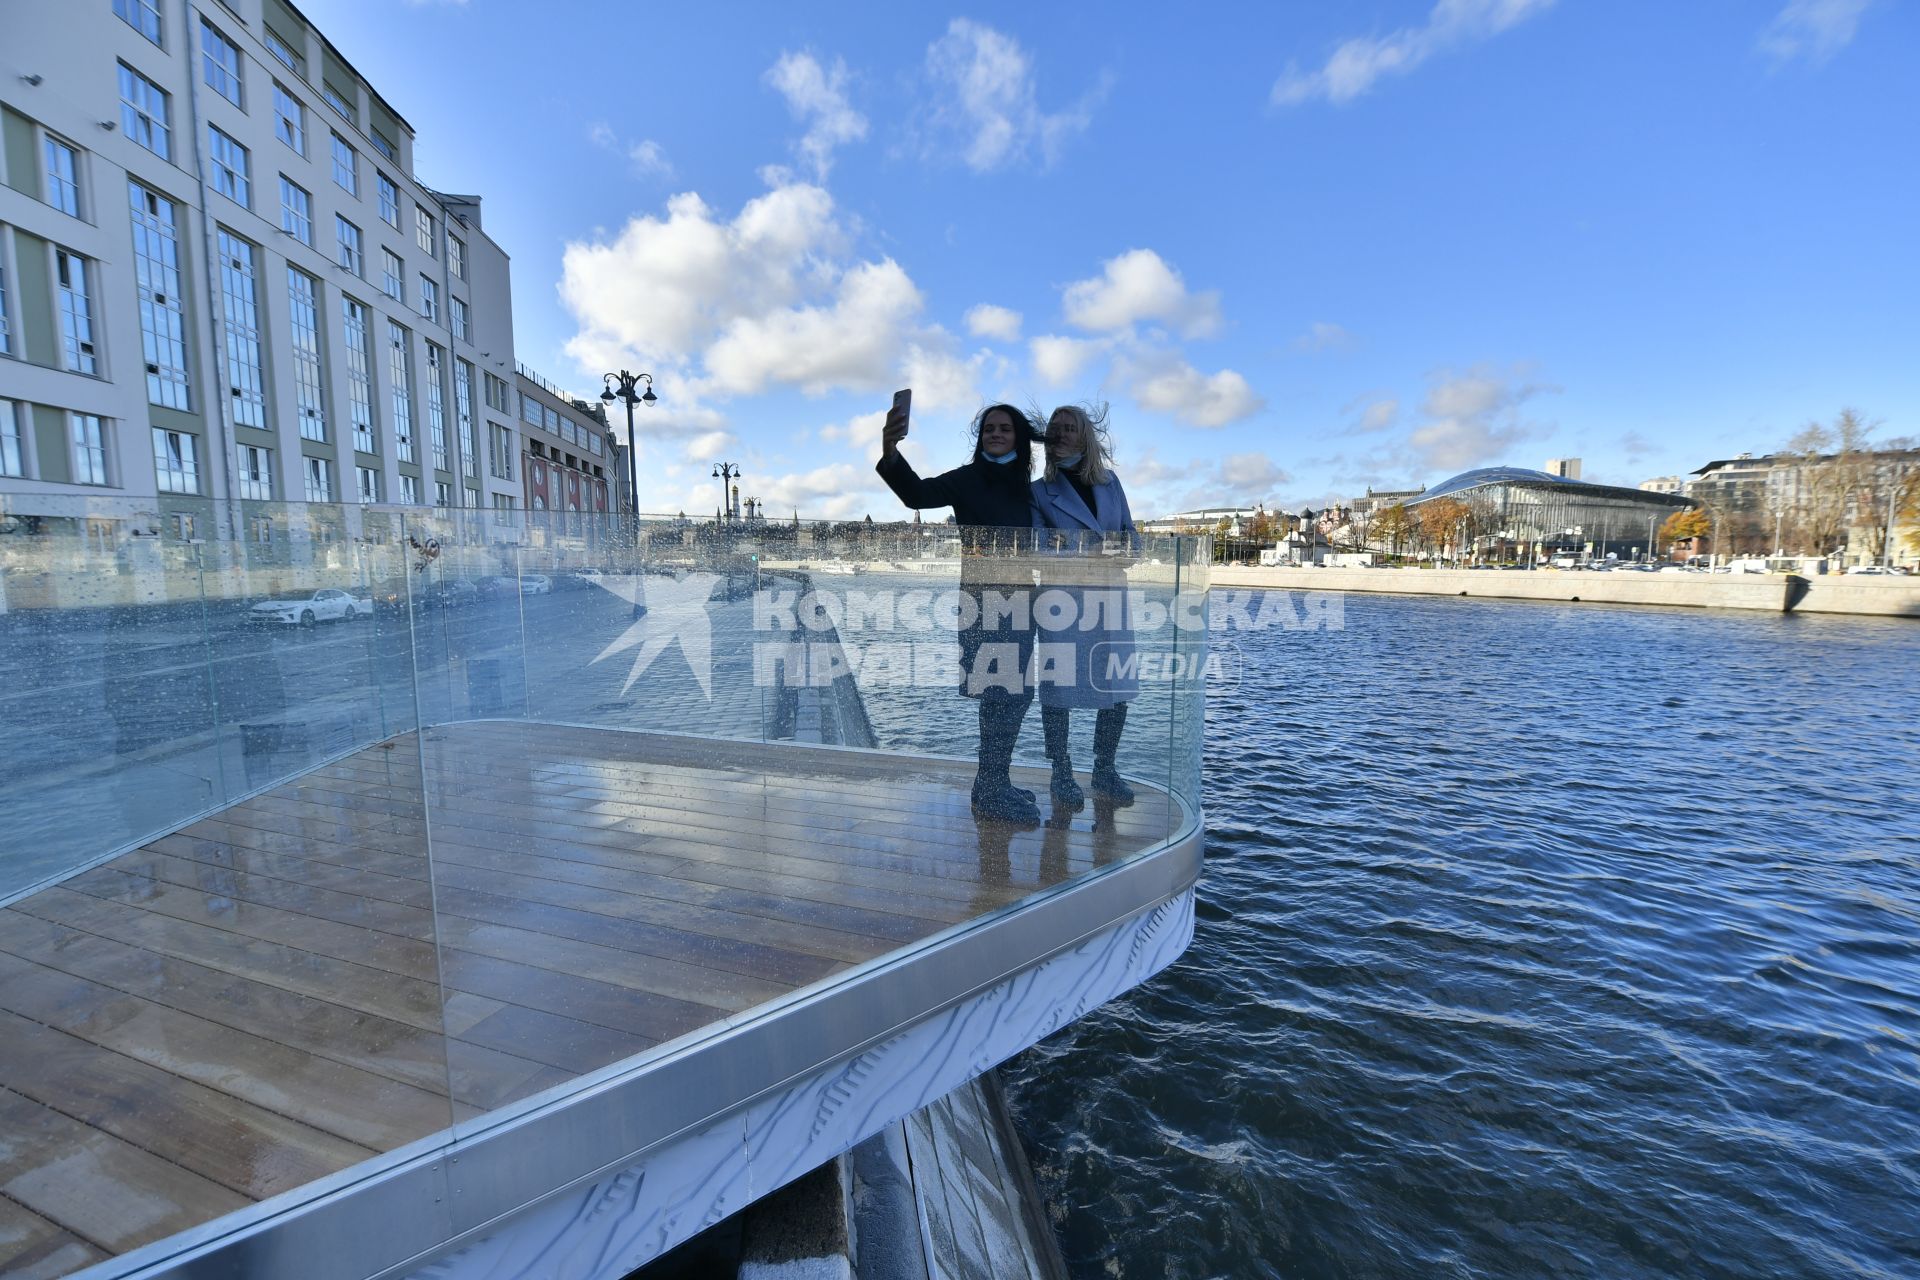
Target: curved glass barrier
{"type": "Point", "coordinates": [340, 834]}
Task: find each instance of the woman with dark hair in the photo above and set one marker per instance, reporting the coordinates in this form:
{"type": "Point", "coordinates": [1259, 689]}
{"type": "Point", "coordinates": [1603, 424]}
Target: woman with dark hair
{"type": "Point", "coordinates": [1079, 501]}
{"type": "Point", "coordinates": [992, 503]}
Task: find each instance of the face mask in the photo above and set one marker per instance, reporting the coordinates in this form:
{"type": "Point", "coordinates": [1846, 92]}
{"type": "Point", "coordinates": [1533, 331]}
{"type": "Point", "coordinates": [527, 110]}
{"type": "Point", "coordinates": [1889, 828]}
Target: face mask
{"type": "Point", "coordinates": [1070, 463]}
{"type": "Point", "coordinates": [1003, 459]}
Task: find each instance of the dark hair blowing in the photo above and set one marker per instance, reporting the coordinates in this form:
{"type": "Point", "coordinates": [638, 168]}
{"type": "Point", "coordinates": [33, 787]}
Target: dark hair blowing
{"type": "Point", "coordinates": [1023, 436]}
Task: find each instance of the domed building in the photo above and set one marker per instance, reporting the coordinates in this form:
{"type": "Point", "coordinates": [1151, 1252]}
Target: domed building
{"type": "Point", "coordinates": [1553, 514]}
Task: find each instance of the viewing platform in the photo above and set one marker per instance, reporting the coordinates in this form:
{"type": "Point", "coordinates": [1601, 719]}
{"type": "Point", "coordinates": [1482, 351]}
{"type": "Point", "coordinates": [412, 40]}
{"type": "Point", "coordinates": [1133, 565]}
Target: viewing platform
{"type": "Point", "coordinates": [476, 947]}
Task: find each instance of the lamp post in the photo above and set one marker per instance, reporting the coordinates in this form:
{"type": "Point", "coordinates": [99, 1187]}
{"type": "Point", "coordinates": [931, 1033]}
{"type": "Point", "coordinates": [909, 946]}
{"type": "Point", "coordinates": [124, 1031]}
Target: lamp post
{"type": "Point", "coordinates": [726, 473]}
{"type": "Point", "coordinates": [627, 382]}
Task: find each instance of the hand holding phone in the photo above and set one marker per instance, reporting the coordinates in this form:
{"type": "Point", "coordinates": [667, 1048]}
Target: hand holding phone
{"type": "Point", "coordinates": [896, 428]}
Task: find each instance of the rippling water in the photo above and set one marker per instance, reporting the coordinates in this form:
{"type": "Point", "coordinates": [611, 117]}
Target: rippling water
{"type": "Point", "coordinates": [1533, 941]}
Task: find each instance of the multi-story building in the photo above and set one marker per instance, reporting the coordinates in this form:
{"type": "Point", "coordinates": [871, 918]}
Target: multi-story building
{"type": "Point", "coordinates": [221, 279]}
{"type": "Point", "coordinates": [1836, 505]}
{"type": "Point", "coordinates": [1664, 484]}
{"type": "Point", "coordinates": [1563, 468]}
{"type": "Point", "coordinates": [566, 461]}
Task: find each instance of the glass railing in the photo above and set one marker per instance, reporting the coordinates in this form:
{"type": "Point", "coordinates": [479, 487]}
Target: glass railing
{"type": "Point", "coordinates": [335, 829]}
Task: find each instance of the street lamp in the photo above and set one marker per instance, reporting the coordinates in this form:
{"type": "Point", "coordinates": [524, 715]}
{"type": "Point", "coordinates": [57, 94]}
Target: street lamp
{"type": "Point", "coordinates": [627, 382]}
{"type": "Point", "coordinates": [725, 473]}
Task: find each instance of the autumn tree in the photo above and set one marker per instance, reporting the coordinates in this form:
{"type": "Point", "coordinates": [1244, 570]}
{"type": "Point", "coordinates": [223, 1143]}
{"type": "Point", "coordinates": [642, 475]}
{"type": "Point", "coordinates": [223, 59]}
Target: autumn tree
{"type": "Point", "coordinates": [1392, 525]}
{"type": "Point", "coordinates": [1441, 522]}
{"type": "Point", "coordinates": [1836, 464]}
{"type": "Point", "coordinates": [1692, 525]}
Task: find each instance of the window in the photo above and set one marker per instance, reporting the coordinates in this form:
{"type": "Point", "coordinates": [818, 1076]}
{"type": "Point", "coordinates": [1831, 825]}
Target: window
{"type": "Point", "coordinates": [400, 376]}
{"type": "Point", "coordinates": [76, 314]}
{"type": "Point", "coordinates": [500, 451]}
{"type": "Point", "coordinates": [459, 315]}
{"type": "Point", "coordinates": [473, 498]}
{"type": "Point", "coordinates": [303, 296]}
{"type": "Point", "coordinates": [392, 275]}
{"type": "Point", "coordinates": [384, 145]}
{"type": "Point", "coordinates": [256, 472]}
{"type": "Point", "coordinates": [346, 166]}
{"type": "Point", "coordinates": [232, 168]}
{"type": "Point", "coordinates": [503, 508]}
{"type": "Point", "coordinates": [339, 101]}
{"type": "Point", "coordinates": [348, 237]}
{"type": "Point", "coordinates": [353, 322]}
{"type": "Point", "coordinates": [220, 63]}
{"type": "Point", "coordinates": [289, 119]}
{"type": "Point", "coordinates": [13, 449]}
{"type": "Point", "coordinates": [182, 522]}
{"type": "Point", "coordinates": [89, 448]}
{"type": "Point", "coordinates": [463, 415]}
{"type": "Point", "coordinates": [63, 185]}
{"type": "Point", "coordinates": [429, 299]}
{"type": "Point", "coordinates": [530, 411]}
{"type": "Point", "coordinates": [319, 480]}
{"type": "Point", "coordinates": [369, 483]}
{"type": "Point", "coordinates": [296, 211]}
{"type": "Point", "coordinates": [423, 230]}
{"type": "Point", "coordinates": [457, 256]}
{"type": "Point", "coordinates": [144, 114]}
{"type": "Point", "coordinates": [437, 407]}
{"type": "Point", "coordinates": [6, 326]}
{"type": "Point", "coordinates": [142, 15]}
{"type": "Point", "coordinates": [176, 462]}
{"type": "Point", "coordinates": [496, 393]}
{"type": "Point", "coordinates": [260, 529]}
{"type": "Point", "coordinates": [163, 323]}
{"type": "Point", "coordinates": [410, 490]}
{"type": "Point", "coordinates": [389, 200]}
{"type": "Point", "coordinates": [240, 301]}
{"type": "Point", "coordinates": [442, 494]}
{"type": "Point", "coordinates": [282, 50]}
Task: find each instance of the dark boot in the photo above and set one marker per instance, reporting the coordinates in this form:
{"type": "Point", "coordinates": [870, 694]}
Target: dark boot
{"type": "Point", "coordinates": [1106, 779]}
{"type": "Point", "coordinates": [1066, 792]}
{"type": "Point", "coordinates": [995, 798]}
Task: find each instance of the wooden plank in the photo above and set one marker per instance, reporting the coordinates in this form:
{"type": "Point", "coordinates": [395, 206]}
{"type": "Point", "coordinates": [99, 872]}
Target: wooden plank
{"type": "Point", "coordinates": [573, 1046]}
{"type": "Point", "coordinates": [243, 1147]}
{"type": "Point", "coordinates": [35, 1248]}
{"type": "Point", "coordinates": [106, 1191]}
{"type": "Point", "coordinates": [733, 992]}
{"type": "Point", "coordinates": [225, 884]}
{"type": "Point", "coordinates": [641, 1014]}
{"type": "Point", "coordinates": [370, 1110]}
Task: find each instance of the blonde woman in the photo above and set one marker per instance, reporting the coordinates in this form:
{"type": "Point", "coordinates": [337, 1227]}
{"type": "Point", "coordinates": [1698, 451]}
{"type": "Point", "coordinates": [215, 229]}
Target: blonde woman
{"type": "Point", "coordinates": [1080, 500]}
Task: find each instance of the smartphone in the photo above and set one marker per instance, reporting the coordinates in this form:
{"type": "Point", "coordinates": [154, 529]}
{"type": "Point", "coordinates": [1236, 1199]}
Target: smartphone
{"type": "Point", "coordinates": [903, 404]}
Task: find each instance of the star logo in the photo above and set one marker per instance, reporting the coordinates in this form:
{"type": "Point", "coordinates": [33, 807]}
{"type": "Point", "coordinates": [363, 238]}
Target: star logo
{"type": "Point", "coordinates": [675, 611]}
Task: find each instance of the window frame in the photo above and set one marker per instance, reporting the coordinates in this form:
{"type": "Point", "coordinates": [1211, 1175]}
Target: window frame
{"type": "Point", "coordinates": [137, 120]}
{"type": "Point", "coordinates": [236, 72]}
{"type": "Point", "coordinates": [287, 211]}
{"type": "Point", "coordinates": [242, 178]}
{"type": "Point", "coordinates": [289, 128]}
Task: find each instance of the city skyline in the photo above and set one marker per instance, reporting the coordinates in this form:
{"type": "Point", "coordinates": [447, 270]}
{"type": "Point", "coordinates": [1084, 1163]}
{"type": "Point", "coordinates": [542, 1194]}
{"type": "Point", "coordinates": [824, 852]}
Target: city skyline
{"type": "Point", "coordinates": [1300, 252]}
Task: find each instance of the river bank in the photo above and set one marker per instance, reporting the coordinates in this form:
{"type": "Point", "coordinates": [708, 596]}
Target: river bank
{"type": "Point", "coordinates": [1766, 592]}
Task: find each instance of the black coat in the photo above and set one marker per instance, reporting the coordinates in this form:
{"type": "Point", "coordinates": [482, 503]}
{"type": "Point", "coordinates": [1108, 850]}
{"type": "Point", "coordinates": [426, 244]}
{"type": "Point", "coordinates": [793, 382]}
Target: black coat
{"type": "Point", "coordinates": [993, 506]}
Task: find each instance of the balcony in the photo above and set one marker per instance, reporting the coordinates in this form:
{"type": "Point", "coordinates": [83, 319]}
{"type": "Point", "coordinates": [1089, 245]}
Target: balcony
{"type": "Point", "coordinates": [507, 899]}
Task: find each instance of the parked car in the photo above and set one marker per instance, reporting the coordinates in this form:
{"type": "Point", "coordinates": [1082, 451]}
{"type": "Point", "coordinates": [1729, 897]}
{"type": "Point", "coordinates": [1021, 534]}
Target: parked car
{"type": "Point", "coordinates": [325, 605]}
{"type": "Point", "coordinates": [535, 584]}
{"type": "Point", "coordinates": [454, 593]}
{"type": "Point", "coordinates": [494, 586]}
{"type": "Point", "coordinates": [1872, 569]}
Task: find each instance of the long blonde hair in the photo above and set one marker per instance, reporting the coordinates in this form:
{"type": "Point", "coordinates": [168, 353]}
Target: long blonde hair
{"type": "Point", "coordinates": [1097, 467]}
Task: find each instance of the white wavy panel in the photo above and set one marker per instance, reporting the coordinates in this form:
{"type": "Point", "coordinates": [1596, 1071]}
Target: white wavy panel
{"type": "Point", "coordinates": [627, 1220]}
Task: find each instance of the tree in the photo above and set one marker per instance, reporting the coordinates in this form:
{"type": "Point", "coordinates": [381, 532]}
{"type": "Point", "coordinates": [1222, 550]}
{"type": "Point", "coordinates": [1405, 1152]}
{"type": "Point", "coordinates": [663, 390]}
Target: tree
{"type": "Point", "coordinates": [1441, 522]}
{"type": "Point", "coordinates": [1692, 525]}
{"type": "Point", "coordinates": [1393, 525]}
{"type": "Point", "coordinates": [1835, 465]}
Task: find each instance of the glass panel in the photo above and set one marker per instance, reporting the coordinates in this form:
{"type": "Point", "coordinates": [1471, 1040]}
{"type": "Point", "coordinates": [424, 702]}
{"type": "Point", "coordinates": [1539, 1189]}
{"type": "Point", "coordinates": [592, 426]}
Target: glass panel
{"type": "Point", "coordinates": [218, 942]}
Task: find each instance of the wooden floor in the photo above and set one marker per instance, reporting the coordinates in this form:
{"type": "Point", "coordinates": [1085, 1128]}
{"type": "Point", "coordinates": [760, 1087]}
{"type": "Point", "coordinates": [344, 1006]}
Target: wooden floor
{"type": "Point", "coordinates": [291, 986]}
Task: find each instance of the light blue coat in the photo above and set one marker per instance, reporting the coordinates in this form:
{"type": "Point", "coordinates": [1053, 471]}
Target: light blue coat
{"type": "Point", "coordinates": [1078, 535]}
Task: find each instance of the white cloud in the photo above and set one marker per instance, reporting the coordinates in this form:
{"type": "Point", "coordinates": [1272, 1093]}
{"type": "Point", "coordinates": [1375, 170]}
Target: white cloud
{"type": "Point", "coordinates": [1352, 69]}
{"type": "Point", "coordinates": [1252, 475]}
{"type": "Point", "coordinates": [1472, 418]}
{"type": "Point", "coordinates": [1164, 382]}
{"type": "Point", "coordinates": [986, 107]}
{"type": "Point", "coordinates": [837, 491]}
{"type": "Point", "coordinates": [647, 157]}
{"type": "Point", "coordinates": [1323, 335]}
{"type": "Point", "coordinates": [817, 97]}
{"type": "Point", "coordinates": [1058, 360]}
{"type": "Point", "coordinates": [989, 321]}
{"type": "Point", "coordinates": [709, 445]}
{"type": "Point", "coordinates": [940, 379]}
{"type": "Point", "coordinates": [862, 431]}
{"type": "Point", "coordinates": [1377, 416]}
{"type": "Point", "coordinates": [1812, 29]}
{"type": "Point", "coordinates": [852, 342]}
{"type": "Point", "coordinates": [1138, 285]}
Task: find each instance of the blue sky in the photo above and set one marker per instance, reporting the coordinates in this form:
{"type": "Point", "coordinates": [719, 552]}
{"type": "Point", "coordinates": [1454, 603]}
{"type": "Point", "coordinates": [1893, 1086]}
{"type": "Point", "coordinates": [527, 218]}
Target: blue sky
{"type": "Point", "coordinates": [1301, 249]}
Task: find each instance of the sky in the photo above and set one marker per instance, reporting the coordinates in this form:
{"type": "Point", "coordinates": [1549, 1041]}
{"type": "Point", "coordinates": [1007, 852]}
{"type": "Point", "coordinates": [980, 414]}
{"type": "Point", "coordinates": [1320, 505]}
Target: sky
{"type": "Point", "coordinates": [1302, 250]}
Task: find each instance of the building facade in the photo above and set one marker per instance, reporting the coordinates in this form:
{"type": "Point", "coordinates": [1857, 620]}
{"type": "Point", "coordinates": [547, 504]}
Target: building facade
{"type": "Point", "coordinates": [220, 278]}
{"type": "Point", "coordinates": [567, 464]}
{"type": "Point", "coordinates": [1839, 506]}
{"type": "Point", "coordinates": [1510, 507]}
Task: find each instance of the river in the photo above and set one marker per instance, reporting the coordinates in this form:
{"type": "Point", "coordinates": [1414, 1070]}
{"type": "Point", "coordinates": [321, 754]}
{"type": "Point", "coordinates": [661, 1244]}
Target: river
{"type": "Point", "coordinates": [1533, 940]}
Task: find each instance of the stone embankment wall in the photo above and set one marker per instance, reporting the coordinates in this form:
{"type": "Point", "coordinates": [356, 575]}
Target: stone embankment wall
{"type": "Point", "coordinates": [1771, 593]}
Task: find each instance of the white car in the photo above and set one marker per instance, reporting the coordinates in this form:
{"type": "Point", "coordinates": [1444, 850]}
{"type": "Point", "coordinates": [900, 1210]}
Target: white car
{"type": "Point", "coordinates": [1873, 569]}
{"type": "Point", "coordinates": [535, 584]}
{"type": "Point", "coordinates": [324, 605]}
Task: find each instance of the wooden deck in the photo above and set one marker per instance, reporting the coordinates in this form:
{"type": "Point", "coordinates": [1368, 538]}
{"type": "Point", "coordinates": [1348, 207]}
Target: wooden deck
{"type": "Point", "coordinates": [290, 987]}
